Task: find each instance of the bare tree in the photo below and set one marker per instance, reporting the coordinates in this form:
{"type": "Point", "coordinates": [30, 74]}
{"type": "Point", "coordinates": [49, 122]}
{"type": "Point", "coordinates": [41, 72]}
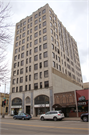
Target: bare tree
{"type": "Point", "coordinates": [5, 38]}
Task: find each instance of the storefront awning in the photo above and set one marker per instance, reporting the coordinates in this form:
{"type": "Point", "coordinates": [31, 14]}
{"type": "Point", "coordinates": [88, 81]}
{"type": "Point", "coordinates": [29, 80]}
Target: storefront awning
{"type": "Point", "coordinates": [56, 106]}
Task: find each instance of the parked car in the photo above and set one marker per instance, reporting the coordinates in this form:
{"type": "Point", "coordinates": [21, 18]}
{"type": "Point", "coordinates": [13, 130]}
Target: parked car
{"type": "Point", "coordinates": [85, 117]}
{"type": "Point", "coordinates": [55, 115]}
{"type": "Point", "coordinates": [22, 116]}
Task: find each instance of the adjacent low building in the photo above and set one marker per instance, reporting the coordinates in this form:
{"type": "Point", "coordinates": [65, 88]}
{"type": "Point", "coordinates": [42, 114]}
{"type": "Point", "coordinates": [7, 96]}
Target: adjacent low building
{"type": "Point", "coordinates": [4, 109]}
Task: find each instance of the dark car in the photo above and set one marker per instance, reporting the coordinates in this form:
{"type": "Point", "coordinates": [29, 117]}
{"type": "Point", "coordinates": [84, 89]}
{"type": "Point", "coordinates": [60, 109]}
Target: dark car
{"type": "Point", "coordinates": [85, 117]}
{"type": "Point", "coordinates": [23, 116]}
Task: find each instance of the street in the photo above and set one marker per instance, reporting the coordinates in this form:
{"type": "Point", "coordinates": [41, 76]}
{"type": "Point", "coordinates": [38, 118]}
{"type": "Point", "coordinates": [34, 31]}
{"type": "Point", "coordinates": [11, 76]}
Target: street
{"type": "Point", "coordinates": [10, 126]}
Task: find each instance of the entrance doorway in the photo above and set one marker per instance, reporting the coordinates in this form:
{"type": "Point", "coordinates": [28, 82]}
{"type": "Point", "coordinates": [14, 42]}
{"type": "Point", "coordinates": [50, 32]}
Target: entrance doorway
{"type": "Point", "coordinates": [28, 109]}
{"type": "Point", "coordinates": [16, 111]}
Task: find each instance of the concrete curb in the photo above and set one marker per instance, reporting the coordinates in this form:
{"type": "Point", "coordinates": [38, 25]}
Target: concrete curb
{"type": "Point", "coordinates": [38, 118]}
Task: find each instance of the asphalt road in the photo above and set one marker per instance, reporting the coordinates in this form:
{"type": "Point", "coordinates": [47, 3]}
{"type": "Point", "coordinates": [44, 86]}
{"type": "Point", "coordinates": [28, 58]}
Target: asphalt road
{"type": "Point", "coordinates": [37, 127]}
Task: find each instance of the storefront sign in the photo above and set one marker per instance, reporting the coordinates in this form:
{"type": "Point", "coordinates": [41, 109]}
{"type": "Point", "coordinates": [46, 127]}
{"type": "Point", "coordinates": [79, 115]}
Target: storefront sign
{"type": "Point", "coordinates": [41, 105]}
{"type": "Point", "coordinates": [81, 103]}
{"type": "Point", "coordinates": [16, 106]}
{"type": "Point", "coordinates": [81, 98]}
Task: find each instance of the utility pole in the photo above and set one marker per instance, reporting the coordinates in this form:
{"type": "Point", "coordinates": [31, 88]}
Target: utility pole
{"type": "Point", "coordinates": [3, 114]}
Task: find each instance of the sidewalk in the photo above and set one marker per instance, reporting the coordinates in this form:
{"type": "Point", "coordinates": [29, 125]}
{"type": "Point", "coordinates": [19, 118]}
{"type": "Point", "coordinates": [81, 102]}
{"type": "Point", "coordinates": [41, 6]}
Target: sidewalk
{"type": "Point", "coordinates": [37, 118]}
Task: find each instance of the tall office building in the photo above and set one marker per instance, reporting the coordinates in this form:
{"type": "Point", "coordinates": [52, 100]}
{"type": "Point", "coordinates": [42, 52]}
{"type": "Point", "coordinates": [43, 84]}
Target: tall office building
{"type": "Point", "coordinates": [45, 61]}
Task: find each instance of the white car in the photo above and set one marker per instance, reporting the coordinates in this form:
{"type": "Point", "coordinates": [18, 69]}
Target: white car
{"type": "Point", "coordinates": [55, 115]}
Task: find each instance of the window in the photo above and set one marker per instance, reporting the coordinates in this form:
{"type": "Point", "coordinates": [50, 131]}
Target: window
{"type": "Point", "coordinates": [29, 86]}
{"type": "Point", "coordinates": [53, 55]}
{"type": "Point", "coordinates": [40, 75]}
{"type": "Point", "coordinates": [40, 32]}
{"type": "Point", "coordinates": [36, 41]}
{"type": "Point", "coordinates": [44, 37]}
{"type": "Point", "coordinates": [29, 68]}
{"type": "Point", "coordinates": [40, 84]}
{"type": "Point", "coordinates": [14, 73]}
{"type": "Point", "coordinates": [26, 78]}
{"type": "Point", "coordinates": [46, 84]}
{"type": "Point", "coordinates": [40, 56]}
{"type": "Point", "coordinates": [36, 49]}
{"type": "Point", "coordinates": [18, 26]}
{"type": "Point", "coordinates": [36, 21]}
{"type": "Point", "coordinates": [17, 38]}
{"type": "Point", "coordinates": [39, 26]}
{"type": "Point", "coordinates": [36, 27]}
{"type": "Point", "coordinates": [35, 66]}
{"type": "Point", "coordinates": [30, 60]}
{"type": "Point", "coordinates": [51, 31]}
{"type": "Point", "coordinates": [21, 71]}
{"type": "Point", "coordinates": [19, 42]}
{"type": "Point", "coordinates": [39, 13]}
{"type": "Point", "coordinates": [17, 72]}
{"type": "Point", "coordinates": [28, 20]}
{"type": "Point", "coordinates": [31, 19]}
{"type": "Point", "coordinates": [26, 69]}
{"type": "Point", "coordinates": [22, 62]}
{"type": "Point", "coordinates": [26, 53]}
{"type": "Point", "coordinates": [20, 88]}
{"type": "Point", "coordinates": [45, 63]}
{"type": "Point", "coordinates": [31, 37]}
{"type": "Point", "coordinates": [44, 23]}
{"type": "Point", "coordinates": [53, 64]}
{"type": "Point", "coordinates": [24, 28]}
{"type": "Point", "coordinates": [14, 81]}
{"type": "Point", "coordinates": [13, 89]}
{"type": "Point", "coordinates": [30, 24]}
{"type": "Point", "coordinates": [16, 44]}
{"type": "Point", "coordinates": [52, 46]}
{"type": "Point", "coordinates": [39, 40]}
{"type": "Point", "coordinates": [16, 89]}
{"type": "Point", "coordinates": [58, 59]}
{"type": "Point", "coordinates": [36, 58]}
{"type": "Point", "coordinates": [39, 19]}
{"type": "Point", "coordinates": [22, 47]}
{"type": "Point", "coordinates": [27, 45]}
{"type": "Point", "coordinates": [44, 17]}
{"type": "Point", "coordinates": [36, 86]}
{"type": "Point", "coordinates": [44, 30]}
{"type": "Point", "coordinates": [29, 77]}
{"type": "Point", "coordinates": [43, 11]}
{"type": "Point", "coordinates": [36, 34]}
{"type": "Point", "coordinates": [50, 24]}
{"type": "Point", "coordinates": [25, 87]}
{"type": "Point", "coordinates": [40, 65]}
{"type": "Point", "coordinates": [36, 76]}
{"type": "Point", "coordinates": [50, 18]}
{"type": "Point", "coordinates": [27, 38]}
{"type": "Point", "coordinates": [24, 22]}
{"type": "Point", "coordinates": [46, 73]}
{"type": "Point", "coordinates": [30, 44]}
{"type": "Point", "coordinates": [15, 65]}
{"type": "Point", "coordinates": [28, 32]}
{"type": "Point", "coordinates": [45, 46]}
{"type": "Point", "coordinates": [30, 51]}
{"type": "Point", "coordinates": [40, 48]}
{"type": "Point", "coordinates": [45, 54]}
{"type": "Point", "coordinates": [21, 79]}
{"type": "Point", "coordinates": [36, 16]}
{"type": "Point", "coordinates": [23, 41]}
{"type": "Point", "coordinates": [52, 38]}
{"type": "Point", "coordinates": [15, 58]}
{"type": "Point", "coordinates": [16, 50]}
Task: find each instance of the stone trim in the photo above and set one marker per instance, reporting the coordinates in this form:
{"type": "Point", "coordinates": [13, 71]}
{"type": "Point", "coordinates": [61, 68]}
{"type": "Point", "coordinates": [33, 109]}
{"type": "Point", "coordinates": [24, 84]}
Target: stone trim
{"type": "Point", "coordinates": [54, 71]}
